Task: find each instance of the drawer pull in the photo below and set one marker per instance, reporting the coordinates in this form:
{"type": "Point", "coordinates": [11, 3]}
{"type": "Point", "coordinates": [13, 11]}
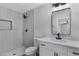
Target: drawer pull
{"type": "Point", "coordinates": [55, 54]}
{"type": "Point", "coordinates": [43, 44]}
{"type": "Point", "coordinates": [75, 53]}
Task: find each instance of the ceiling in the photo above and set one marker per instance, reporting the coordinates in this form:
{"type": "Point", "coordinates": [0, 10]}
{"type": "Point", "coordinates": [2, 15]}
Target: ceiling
{"type": "Point", "coordinates": [21, 7]}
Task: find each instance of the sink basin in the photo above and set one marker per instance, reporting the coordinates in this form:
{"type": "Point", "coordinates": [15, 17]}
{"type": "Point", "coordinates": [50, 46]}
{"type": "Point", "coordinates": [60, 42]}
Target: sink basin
{"type": "Point", "coordinates": [62, 40]}
{"type": "Point", "coordinates": [54, 40]}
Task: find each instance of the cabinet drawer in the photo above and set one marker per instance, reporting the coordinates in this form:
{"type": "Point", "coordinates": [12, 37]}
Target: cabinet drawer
{"type": "Point", "coordinates": [73, 52]}
{"type": "Point", "coordinates": [52, 46]}
{"type": "Point", "coordinates": [48, 45]}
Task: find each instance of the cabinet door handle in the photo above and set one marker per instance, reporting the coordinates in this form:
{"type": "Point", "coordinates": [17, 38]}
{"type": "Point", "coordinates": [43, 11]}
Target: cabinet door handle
{"type": "Point", "coordinates": [75, 53]}
{"type": "Point", "coordinates": [55, 54]}
{"type": "Point", "coordinates": [43, 44]}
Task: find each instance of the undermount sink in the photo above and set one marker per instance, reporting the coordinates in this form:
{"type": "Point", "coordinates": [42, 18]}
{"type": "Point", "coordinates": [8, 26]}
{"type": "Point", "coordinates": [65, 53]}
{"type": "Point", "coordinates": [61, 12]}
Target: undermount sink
{"type": "Point", "coordinates": [47, 39]}
{"type": "Point", "coordinates": [62, 40]}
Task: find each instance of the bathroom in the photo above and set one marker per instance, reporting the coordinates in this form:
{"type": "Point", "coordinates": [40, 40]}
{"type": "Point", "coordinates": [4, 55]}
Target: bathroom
{"type": "Point", "coordinates": [32, 29]}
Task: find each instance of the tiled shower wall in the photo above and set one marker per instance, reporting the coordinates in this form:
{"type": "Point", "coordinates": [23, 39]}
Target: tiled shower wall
{"type": "Point", "coordinates": [11, 39]}
{"type": "Point", "coordinates": [28, 24]}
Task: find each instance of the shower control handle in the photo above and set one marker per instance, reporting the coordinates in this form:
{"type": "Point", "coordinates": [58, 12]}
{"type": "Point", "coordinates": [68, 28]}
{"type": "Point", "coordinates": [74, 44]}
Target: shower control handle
{"type": "Point", "coordinates": [26, 30]}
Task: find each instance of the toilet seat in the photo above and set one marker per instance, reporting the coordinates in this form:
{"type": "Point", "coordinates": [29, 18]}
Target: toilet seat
{"type": "Point", "coordinates": [30, 50]}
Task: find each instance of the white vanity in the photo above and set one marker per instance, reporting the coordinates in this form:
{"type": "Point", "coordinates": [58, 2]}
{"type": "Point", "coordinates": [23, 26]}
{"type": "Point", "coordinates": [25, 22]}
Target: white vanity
{"type": "Point", "coordinates": [53, 47]}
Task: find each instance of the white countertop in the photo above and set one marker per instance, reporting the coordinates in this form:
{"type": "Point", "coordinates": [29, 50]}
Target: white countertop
{"type": "Point", "coordinates": [65, 42]}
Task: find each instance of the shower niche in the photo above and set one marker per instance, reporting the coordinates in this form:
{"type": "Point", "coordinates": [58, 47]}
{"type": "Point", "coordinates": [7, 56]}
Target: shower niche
{"type": "Point", "coordinates": [5, 24]}
{"type": "Point", "coordinates": [61, 21]}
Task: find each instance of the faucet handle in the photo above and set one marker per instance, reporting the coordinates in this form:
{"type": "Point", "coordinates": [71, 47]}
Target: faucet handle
{"type": "Point", "coordinates": [58, 34]}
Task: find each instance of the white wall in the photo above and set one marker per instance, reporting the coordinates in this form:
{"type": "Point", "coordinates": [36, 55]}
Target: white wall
{"type": "Point", "coordinates": [75, 20]}
{"type": "Point", "coordinates": [28, 23]}
{"type": "Point", "coordinates": [42, 21]}
{"type": "Point", "coordinates": [11, 39]}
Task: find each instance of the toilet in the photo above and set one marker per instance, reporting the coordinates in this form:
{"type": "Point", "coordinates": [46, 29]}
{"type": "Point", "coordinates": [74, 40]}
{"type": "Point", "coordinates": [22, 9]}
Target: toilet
{"type": "Point", "coordinates": [31, 51]}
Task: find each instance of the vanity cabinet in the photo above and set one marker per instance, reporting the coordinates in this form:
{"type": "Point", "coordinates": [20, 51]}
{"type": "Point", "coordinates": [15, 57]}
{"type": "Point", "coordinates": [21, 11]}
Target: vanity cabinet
{"type": "Point", "coordinates": [73, 51]}
{"type": "Point", "coordinates": [51, 49]}
{"type": "Point", "coordinates": [46, 52]}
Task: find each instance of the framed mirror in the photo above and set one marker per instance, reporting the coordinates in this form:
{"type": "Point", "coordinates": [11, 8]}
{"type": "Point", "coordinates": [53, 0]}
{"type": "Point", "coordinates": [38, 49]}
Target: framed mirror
{"type": "Point", "coordinates": [61, 21]}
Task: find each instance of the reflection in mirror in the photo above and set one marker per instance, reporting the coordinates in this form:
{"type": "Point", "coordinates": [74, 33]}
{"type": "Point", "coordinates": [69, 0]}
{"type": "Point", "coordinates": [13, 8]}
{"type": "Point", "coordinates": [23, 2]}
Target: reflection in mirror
{"type": "Point", "coordinates": [61, 21]}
